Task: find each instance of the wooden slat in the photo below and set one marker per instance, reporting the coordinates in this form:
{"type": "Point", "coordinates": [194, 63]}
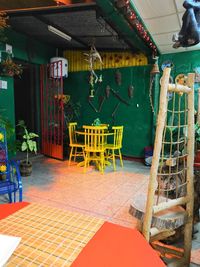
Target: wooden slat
{"type": "Point", "coordinates": [169, 204]}
{"type": "Point", "coordinates": [178, 88]}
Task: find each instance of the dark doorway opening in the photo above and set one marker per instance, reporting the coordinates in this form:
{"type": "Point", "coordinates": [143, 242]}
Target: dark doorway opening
{"type": "Point", "coordinates": [27, 98]}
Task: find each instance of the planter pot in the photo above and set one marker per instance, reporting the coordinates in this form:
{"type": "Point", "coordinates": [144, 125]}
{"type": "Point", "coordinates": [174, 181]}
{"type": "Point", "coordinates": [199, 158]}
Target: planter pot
{"type": "Point", "coordinates": [25, 168]}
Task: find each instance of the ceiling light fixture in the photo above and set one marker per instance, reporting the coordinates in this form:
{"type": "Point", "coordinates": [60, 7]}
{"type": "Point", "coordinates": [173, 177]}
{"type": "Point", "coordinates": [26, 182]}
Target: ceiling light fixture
{"type": "Point", "coordinates": [59, 33]}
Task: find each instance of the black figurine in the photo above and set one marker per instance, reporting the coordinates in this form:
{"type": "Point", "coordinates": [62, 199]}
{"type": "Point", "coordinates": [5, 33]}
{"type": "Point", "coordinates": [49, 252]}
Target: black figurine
{"type": "Point", "coordinates": [189, 34]}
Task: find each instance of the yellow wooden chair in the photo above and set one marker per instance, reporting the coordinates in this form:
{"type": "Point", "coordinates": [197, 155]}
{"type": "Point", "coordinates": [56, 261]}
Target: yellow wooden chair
{"type": "Point", "coordinates": [74, 144]}
{"type": "Point", "coordinates": [114, 150]}
{"type": "Point", "coordinates": [95, 146]}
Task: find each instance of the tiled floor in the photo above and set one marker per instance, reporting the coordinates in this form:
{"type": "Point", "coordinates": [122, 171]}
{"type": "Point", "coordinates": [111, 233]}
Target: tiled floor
{"type": "Point", "coordinates": [106, 195]}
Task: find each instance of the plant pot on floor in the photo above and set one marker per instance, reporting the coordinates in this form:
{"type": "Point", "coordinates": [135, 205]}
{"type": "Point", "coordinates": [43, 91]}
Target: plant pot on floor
{"type": "Point", "coordinates": [25, 168]}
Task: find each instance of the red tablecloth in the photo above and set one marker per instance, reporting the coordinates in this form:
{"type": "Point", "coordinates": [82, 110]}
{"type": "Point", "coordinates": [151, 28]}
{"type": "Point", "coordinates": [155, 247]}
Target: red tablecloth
{"type": "Point", "coordinates": [8, 209]}
{"type": "Point", "coordinates": [117, 246]}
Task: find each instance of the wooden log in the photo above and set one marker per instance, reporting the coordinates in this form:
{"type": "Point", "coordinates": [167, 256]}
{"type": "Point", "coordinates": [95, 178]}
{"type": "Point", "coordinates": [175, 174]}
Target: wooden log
{"type": "Point", "coordinates": [156, 155]}
{"type": "Point", "coordinates": [171, 218]}
{"type": "Point", "coordinates": [169, 204]}
{"type": "Point", "coordinates": [190, 171]}
{"type": "Point", "coordinates": [178, 88]}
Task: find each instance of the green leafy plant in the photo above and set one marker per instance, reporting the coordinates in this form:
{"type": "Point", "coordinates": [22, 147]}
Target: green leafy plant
{"type": "Point", "coordinates": [28, 144]}
{"type": "Point", "coordinates": [197, 135]}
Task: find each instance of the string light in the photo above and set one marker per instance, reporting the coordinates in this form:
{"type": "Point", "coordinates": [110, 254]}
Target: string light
{"type": "Point", "coordinates": [133, 19]}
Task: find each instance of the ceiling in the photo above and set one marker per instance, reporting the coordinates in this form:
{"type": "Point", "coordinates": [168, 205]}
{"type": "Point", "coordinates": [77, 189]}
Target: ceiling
{"type": "Point", "coordinates": [87, 24]}
{"type": "Point", "coordinates": [83, 22]}
{"type": "Point", "coordinates": [163, 18]}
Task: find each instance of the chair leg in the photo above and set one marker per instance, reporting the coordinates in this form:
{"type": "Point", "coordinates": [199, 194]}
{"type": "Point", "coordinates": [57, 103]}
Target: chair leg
{"type": "Point", "coordinates": [86, 161]}
{"type": "Point", "coordinates": [102, 162]}
{"type": "Point", "coordinates": [75, 153]}
{"type": "Point", "coordinates": [10, 197]}
{"type": "Point", "coordinates": [15, 196]}
{"type": "Point", "coordinates": [113, 158]}
{"type": "Point", "coordinates": [20, 195]}
{"type": "Point", "coordinates": [70, 156]}
{"type": "Point", "coordinates": [120, 156]}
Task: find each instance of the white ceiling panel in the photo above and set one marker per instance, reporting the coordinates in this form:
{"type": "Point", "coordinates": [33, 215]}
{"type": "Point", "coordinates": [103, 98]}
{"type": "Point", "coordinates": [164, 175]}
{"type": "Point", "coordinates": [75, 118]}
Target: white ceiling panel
{"type": "Point", "coordinates": [154, 8]}
{"type": "Point", "coordinates": [164, 38]}
{"type": "Point", "coordinates": [179, 5]}
{"type": "Point", "coordinates": [163, 18]}
{"type": "Point", "coordinates": [163, 24]}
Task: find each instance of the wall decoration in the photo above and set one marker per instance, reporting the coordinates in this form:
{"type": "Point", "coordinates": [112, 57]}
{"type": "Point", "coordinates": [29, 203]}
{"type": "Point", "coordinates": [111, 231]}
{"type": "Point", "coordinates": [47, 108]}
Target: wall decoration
{"type": "Point", "coordinates": [181, 79]}
{"type": "Point", "coordinates": [155, 68]}
{"type": "Point", "coordinates": [167, 64]}
{"type": "Point", "coordinates": [115, 110]}
{"type": "Point", "coordinates": [107, 91]}
{"type": "Point", "coordinates": [92, 57]}
{"type": "Point", "coordinates": [117, 95]}
{"type": "Point", "coordinates": [130, 91]}
{"type": "Point", "coordinates": [118, 77]}
{"type": "Point", "coordinates": [77, 62]}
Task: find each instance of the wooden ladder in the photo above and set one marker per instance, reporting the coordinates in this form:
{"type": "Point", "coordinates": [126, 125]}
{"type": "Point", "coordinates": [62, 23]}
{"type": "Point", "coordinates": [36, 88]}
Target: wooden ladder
{"type": "Point", "coordinates": [161, 220]}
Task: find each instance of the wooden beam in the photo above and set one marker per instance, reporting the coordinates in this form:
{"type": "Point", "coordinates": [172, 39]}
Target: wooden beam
{"type": "Point", "coordinates": [156, 155]}
{"type": "Point", "coordinates": [169, 204]}
{"type": "Point", "coordinates": [178, 88]}
{"type": "Point", "coordinates": [190, 171]}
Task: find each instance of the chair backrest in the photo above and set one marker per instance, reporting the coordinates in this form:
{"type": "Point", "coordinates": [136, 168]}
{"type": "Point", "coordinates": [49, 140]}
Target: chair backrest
{"type": "Point", "coordinates": [118, 135]}
{"type": "Point", "coordinates": [3, 147]}
{"type": "Point", "coordinates": [95, 138]}
{"type": "Point", "coordinates": [72, 136]}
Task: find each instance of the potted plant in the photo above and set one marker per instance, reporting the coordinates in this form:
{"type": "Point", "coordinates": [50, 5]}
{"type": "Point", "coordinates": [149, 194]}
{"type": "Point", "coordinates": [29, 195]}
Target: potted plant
{"type": "Point", "coordinates": [29, 145]}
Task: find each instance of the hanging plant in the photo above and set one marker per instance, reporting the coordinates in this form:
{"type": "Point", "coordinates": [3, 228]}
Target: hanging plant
{"type": "Point", "coordinates": [9, 68]}
{"type": "Point", "coordinates": [3, 25]}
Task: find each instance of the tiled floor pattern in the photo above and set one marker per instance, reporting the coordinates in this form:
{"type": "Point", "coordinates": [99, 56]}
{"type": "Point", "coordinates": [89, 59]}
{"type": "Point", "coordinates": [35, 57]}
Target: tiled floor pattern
{"type": "Point", "coordinates": [106, 196]}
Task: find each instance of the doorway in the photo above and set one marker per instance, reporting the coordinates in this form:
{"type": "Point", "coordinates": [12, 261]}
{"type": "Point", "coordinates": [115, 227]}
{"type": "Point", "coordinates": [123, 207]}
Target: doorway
{"type": "Point", "coordinates": [27, 98]}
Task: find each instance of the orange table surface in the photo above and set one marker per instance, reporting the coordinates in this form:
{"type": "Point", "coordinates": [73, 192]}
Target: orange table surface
{"type": "Point", "coordinates": [10, 208]}
{"type": "Point", "coordinates": [117, 246]}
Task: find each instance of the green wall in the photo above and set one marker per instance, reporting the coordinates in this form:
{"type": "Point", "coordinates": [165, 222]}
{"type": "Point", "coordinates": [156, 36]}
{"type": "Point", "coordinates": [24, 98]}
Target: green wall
{"type": "Point", "coordinates": [184, 62]}
{"type": "Point", "coordinates": [28, 49]}
{"type": "Point", "coordinates": [136, 117]}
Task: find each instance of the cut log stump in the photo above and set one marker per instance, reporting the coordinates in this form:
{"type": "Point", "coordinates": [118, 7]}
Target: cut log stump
{"type": "Point", "coordinates": [170, 218]}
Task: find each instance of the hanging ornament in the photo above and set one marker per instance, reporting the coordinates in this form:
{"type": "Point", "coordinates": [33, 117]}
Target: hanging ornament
{"type": "Point", "coordinates": [107, 91]}
{"type": "Point", "coordinates": [155, 69]}
{"type": "Point", "coordinates": [130, 91]}
{"type": "Point", "coordinates": [118, 77]}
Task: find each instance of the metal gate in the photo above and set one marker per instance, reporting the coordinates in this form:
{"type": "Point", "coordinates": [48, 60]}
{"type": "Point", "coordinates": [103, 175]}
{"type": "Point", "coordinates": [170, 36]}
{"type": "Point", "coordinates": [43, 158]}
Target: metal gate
{"type": "Point", "coordinates": [52, 113]}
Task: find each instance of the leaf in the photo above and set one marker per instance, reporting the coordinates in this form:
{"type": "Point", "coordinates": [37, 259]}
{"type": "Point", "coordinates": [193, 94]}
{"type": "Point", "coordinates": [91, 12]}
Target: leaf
{"type": "Point", "coordinates": [25, 136]}
{"type": "Point", "coordinates": [35, 147]}
{"type": "Point", "coordinates": [24, 146]}
{"type": "Point", "coordinates": [32, 135]}
{"type": "Point", "coordinates": [30, 145]}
